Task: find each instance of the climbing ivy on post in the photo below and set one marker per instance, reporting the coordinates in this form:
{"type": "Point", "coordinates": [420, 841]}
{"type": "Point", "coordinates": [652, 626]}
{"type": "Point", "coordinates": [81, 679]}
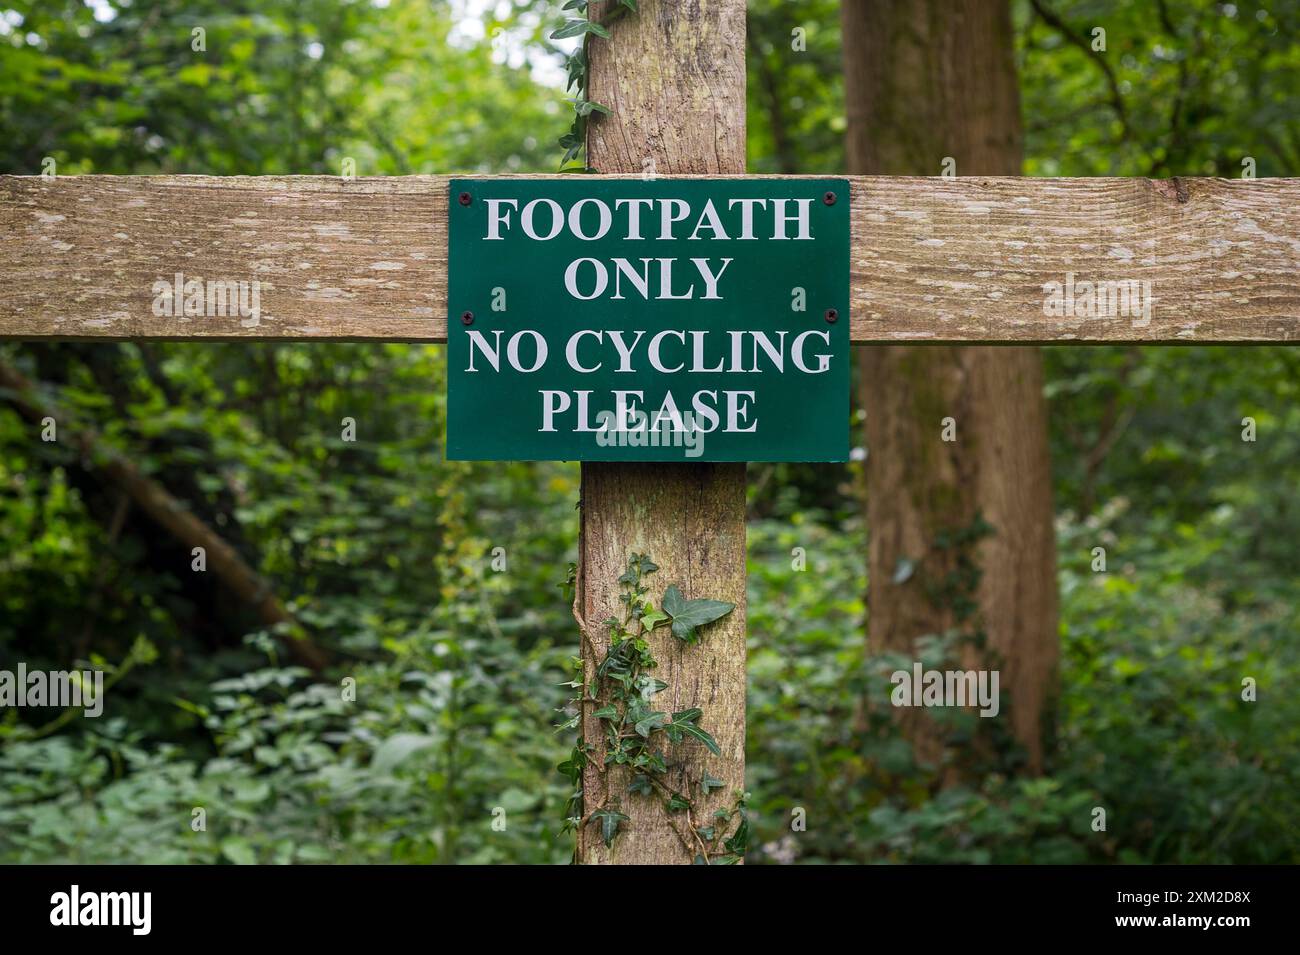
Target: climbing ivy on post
{"type": "Point", "coordinates": [575, 139]}
{"type": "Point", "coordinates": [643, 738]}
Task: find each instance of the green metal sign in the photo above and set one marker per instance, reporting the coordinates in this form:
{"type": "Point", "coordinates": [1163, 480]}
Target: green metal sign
{"type": "Point", "coordinates": [598, 319]}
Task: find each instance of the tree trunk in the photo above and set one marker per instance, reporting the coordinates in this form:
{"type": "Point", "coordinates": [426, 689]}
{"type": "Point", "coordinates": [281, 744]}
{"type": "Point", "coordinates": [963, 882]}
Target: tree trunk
{"type": "Point", "coordinates": [674, 76]}
{"type": "Point", "coordinates": [928, 80]}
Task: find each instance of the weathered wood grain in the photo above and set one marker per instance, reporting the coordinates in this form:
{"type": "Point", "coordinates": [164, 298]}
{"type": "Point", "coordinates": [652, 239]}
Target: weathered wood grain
{"type": "Point", "coordinates": [967, 259]}
{"type": "Point", "coordinates": [934, 259]}
{"type": "Point", "coordinates": [688, 517]}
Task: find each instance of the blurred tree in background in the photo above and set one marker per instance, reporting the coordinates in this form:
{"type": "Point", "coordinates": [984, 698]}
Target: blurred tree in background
{"type": "Point", "coordinates": [388, 556]}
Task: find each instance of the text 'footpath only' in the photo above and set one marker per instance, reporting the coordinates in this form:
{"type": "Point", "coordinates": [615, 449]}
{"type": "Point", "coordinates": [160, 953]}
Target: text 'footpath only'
{"type": "Point", "coordinates": [601, 319]}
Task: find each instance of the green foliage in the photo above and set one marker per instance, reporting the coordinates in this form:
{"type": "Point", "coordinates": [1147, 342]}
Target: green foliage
{"type": "Point", "coordinates": [1151, 724]}
{"type": "Point", "coordinates": [410, 772]}
{"type": "Point", "coordinates": [384, 551]}
{"type": "Point", "coordinates": [795, 89]}
{"type": "Point", "coordinates": [282, 86]}
{"type": "Point", "coordinates": [1181, 88]}
{"type": "Point", "coordinates": [577, 64]}
{"type": "Point", "coordinates": [686, 615]}
{"type": "Point", "coordinates": [620, 696]}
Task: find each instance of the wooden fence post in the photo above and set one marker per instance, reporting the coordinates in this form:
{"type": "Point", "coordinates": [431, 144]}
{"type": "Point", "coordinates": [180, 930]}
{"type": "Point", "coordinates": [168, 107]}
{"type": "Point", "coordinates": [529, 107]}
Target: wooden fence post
{"type": "Point", "coordinates": [674, 76]}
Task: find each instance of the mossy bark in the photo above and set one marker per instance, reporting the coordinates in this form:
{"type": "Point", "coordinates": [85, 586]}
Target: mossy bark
{"type": "Point", "coordinates": [927, 81]}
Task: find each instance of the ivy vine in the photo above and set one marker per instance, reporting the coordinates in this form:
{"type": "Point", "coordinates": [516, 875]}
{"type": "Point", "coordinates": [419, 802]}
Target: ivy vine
{"type": "Point", "coordinates": [641, 738]}
{"type": "Point", "coordinates": [576, 138]}
{"type": "Point", "coordinates": [637, 736]}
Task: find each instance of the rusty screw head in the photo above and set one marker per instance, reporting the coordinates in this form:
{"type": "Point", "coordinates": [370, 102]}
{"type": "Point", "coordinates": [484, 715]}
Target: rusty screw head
{"type": "Point", "coordinates": [832, 315]}
{"type": "Point", "coordinates": [829, 198]}
{"type": "Point", "coordinates": [465, 198]}
{"type": "Point", "coordinates": [467, 318]}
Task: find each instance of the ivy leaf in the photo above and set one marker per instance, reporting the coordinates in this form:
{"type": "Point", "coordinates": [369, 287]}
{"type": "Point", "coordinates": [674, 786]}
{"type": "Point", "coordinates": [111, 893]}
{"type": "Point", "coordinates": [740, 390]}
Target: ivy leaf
{"type": "Point", "coordinates": [577, 76]}
{"type": "Point", "coordinates": [740, 841]}
{"type": "Point", "coordinates": [579, 5]}
{"type": "Point", "coordinates": [611, 820]}
{"type": "Point", "coordinates": [689, 614]}
{"type": "Point", "coordinates": [606, 713]}
{"type": "Point", "coordinates": [640, 784]}
{"type": "Point", "coordinates": [703, 737]}
{"type": "Point", "coordinates": [574, 765]}
{"type": "Point", "coordinates": [571, 27]}
{"type": "Point", "coordinates": [570, 153]}
{"type": "Point", "coordinates": [678, 803]}
{"type": "Point", "coordinates": [710, 783]}
{"type": "Point", "coordinates": [650, 723]}
{"type": "Point", "coordinates": [568, 724]}
{"type": "Point", "coordinates": [637, 710]}
{"type": "Point", "coordinates": [684, 724]}
{"type": "Point", "coordinates": [648, 686]}
{"type": "Point", "coordinates": [630, 4]}
{"type": "Point", "coordinates": [653, 619]}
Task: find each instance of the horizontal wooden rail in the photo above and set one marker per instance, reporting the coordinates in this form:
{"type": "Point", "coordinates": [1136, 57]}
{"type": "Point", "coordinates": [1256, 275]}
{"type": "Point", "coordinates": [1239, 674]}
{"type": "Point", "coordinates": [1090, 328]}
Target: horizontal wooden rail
{"type": "Point", "coordinates": [968, 259]}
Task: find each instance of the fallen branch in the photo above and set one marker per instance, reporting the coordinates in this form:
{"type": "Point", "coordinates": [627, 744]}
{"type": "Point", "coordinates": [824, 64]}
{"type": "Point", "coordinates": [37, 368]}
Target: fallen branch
{"type": "Point", "coordinates": [173, 515]}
